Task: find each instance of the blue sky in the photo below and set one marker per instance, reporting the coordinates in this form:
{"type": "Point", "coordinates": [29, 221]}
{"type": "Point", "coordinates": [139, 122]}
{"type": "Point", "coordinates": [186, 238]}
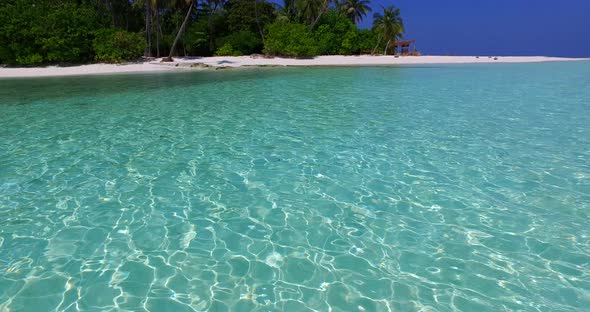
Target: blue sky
{"type": "Point", "coordinates": [498, 27]}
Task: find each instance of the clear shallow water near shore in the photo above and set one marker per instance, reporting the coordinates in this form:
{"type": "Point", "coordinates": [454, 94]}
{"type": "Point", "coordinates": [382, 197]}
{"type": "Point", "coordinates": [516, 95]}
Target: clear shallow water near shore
{"type": "Point", "coordinates": [463, 187]}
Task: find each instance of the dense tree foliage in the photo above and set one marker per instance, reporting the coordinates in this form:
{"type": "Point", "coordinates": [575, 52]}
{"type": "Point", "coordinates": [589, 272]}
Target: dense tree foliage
{"type": "Point", "coordinates": [33, 32]}
{"type": "Point", "coordinates": [290, 39]}
{"type": "Point", "coordinates": [112, 45]}
{"type": "Point", "coordinates": [60, 31]}
{"type": "Point", "coordinates": [76, 31]}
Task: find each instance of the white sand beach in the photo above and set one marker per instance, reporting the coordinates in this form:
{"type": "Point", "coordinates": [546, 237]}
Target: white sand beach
{"type": "Point", "coordinates": [191, 63]}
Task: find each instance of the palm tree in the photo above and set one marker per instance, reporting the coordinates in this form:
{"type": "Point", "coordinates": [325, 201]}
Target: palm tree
{"type": "Point", "coordinates": [322, 9]}
{"type": "Point", "coordinates": [157, 11]}
{"type": "Point", "coordinates": [149, 10]}
{"type": "Point", "coordinates": [148, 27]}
{"type": "Point", "coordinates": [309, 10]}
{"type": "Point", "coordinates": [355, 9]}
{"type": "Point", "coordinates": [289, 9]}
{"type": "Point", "coordinates": [258, 21]}
{"type": "Point", "coordinates": [210, 8]}
{"type": "Point", "coordinates": [180, 31]}
{"type": "Point", "coordinates": [389, 26]}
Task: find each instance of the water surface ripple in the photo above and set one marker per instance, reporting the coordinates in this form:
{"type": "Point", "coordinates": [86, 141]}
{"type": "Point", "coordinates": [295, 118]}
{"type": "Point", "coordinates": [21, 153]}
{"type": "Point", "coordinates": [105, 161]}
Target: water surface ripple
{"type": "Point", "coordinates": [453, 188]}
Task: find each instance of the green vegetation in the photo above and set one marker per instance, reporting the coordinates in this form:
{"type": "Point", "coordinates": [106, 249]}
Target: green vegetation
{"type": "Point", "coordinates": [355, 10]}
{"type": "Point", "coordinates": [290, 39]}
{"type": "Point", "coordinates": [33, 32]}
{"type": "Point", "coordinates": [388, 26]}
{"type": "Point", "coordinates": [78, 31]}
{"type": "Point", "coordinates": [112, 46]}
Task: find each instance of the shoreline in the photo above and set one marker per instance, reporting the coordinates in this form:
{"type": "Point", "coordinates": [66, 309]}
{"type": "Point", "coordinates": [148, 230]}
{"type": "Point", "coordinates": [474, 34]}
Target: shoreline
{"type": "Point", "coordinates": [218, 62]}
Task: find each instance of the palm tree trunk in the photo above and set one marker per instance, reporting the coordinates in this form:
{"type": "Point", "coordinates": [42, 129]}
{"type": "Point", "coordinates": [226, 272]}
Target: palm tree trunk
{"type": "Point", "coordinates": [180, 32]}
{"type": "Point", "coordinates": [317, 19]}
{"type": "Point", "coordinates": [148, 28]}
{"type": "Point", "coordinates": [157, 28]}
{"type": "Point", "coordinates": [112, 14]}
{"type": "Point", "coordinates": [109, 7]}
{"type": "Point", "coordinates": [378, 42]}
{"type": "Point", "coordinates": [386, 46]}
{"type": "Point", "coordinates": [211, 30]}
{"type": "Point", "coordinates": [258, 21]}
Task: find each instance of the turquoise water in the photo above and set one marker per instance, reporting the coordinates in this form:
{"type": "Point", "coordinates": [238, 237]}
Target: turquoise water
{"type": "Point", "coordinates": [447, 188]}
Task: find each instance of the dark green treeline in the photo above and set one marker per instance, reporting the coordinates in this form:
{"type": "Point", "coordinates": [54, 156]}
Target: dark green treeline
{"type": "Point", "coordinates": [81, 31]}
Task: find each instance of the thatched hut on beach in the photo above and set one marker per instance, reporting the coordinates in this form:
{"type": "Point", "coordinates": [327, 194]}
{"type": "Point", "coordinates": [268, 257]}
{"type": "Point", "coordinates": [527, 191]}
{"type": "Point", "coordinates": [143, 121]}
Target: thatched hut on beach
{"type": "Point", "coordinates": [404, 47]}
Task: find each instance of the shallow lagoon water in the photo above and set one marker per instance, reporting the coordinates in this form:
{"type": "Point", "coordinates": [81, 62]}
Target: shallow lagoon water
{"type": "Point", "coordinates": [447, 188]}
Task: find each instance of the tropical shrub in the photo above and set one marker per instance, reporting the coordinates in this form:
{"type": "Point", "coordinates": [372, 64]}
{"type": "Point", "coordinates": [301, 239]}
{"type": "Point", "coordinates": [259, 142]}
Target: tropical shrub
{"type": "Point", "coordinates": [366, 41]}
{"type": "Point", "coordinates": [29, 59]}
{"type": "Point", "coordinates": [33, 32]}
{"type": "Point", "coordinates": [114, 46]}
{"type": "Point", "coordinates": [336, 34]}
{"type": "Point", "coordinates": [227, 50]}
{"type": "Point", "coordinates": [68, 33]}
{"type": "Point", "coordinates": [290, 39]}
{"type": "Point", "coordinates": [243, 42]}
{"type": "Point", "coordinates": [328, 42]}
{"type": "Point", "coordinates": [76, 31]}
{"type": "Point", "coordinates": [350, 43]}
{"type": "Point", "coordinates": [197, 38]}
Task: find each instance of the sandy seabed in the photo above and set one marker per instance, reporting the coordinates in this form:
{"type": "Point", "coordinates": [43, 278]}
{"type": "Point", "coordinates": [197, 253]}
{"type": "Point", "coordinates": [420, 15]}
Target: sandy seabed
{"type": "Point", "coordinates": [191, 63]}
